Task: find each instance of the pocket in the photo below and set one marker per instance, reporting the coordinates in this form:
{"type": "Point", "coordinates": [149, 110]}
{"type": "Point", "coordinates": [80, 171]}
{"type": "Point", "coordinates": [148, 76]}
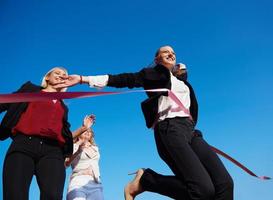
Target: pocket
{"type": "Point", "coordinates": [16, 146]}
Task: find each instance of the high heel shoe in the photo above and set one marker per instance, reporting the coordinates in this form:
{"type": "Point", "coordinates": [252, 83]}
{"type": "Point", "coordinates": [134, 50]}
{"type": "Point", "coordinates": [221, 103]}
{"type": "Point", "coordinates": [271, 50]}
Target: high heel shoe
{"type": "Point", "coordinates": [133, 173]}
{"type": "Point", "coordinates": [134, 188]}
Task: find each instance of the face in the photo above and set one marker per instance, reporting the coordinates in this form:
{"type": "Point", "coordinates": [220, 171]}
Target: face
{"type": "Point", "coordinates": [86, 136]}
{"type": "Point", "coordinates": [166, 57]}
{"type": "Point", "coordinates": [56, 76]}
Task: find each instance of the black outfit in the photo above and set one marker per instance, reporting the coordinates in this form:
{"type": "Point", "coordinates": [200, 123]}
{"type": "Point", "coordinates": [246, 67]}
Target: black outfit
{"type": "Point", "coordinates": [151, 78]}
{"type": "Point", "coordinates": [198, 172]}
{"type": "Point", "coordinates": [29, 155]}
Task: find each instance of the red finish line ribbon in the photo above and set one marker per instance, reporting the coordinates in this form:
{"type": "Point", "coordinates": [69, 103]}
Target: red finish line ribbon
{"type": "Point", "coordinates": [218, 151]}
{"type": "Point", "coordinates": [45, 96]}
{"type": "Point", "coordinates": [31, 97]}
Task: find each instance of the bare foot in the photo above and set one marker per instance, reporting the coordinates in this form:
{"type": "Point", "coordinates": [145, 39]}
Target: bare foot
{"type": "Point", "coordinates": [134, 188]}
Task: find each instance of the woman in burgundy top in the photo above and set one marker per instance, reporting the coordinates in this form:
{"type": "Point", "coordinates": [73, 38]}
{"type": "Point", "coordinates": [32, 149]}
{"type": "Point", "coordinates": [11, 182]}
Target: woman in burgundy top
{"type": "Point", "coordinates": [41, 141]}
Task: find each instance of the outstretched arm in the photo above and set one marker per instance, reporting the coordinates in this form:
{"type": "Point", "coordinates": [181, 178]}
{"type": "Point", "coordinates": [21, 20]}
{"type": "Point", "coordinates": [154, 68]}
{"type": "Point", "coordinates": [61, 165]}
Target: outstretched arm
{"type": "Point", "coordinates": [129, 80]}
{"type": "Point", "coordinates": [88, 121]}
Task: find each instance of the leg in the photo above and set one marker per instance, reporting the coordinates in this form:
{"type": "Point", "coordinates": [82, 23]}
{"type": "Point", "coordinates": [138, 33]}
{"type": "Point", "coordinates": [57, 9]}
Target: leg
{"type": "Point", "coordinates": [191, 180]}
{"type": "Point", "coordinates": [221, 179]}
{"type": "Point", "coordinates": [94, 191]}
{"type": "Point", "coordinates": [76, 194]}
{"type": "Point", "coordinates": [18, 171]}
{"type": "Point", "coordinates": [134, 188]}
{"type": "Point", "coordinates": [50, 173]}
{"type": "Point", "coordinates": [154, 182]}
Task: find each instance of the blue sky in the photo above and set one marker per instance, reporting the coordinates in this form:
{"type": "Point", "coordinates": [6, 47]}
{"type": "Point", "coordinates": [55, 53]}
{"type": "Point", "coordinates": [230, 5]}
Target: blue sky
{"type": "Point", "coordinates": [227, 46]}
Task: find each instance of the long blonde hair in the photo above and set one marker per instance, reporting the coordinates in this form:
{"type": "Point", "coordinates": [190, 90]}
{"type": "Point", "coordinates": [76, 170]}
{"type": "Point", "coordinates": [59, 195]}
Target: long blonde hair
{"type": "Point", "coordinates": [44, 82]}
{"type": "Point", "coordinates": [92, 138]}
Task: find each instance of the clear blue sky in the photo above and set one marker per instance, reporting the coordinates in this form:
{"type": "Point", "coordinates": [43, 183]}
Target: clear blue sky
{"type": "Point", "coordinates": [227, 46]}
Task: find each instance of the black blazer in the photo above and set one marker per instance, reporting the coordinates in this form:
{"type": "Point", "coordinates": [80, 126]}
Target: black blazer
{"type": "Point", "coordinates": [151, 78]}
{"type": "Point", "coordinates": [15, 110]}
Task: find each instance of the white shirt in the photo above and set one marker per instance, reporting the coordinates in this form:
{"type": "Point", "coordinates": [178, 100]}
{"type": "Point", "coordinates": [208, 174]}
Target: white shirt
{"type": "Point", "coordinates": [87, 159]}
{"type": "Point", "coordinates": [98, 81]}
{"type": "Point", "coordinates": [165, 103]}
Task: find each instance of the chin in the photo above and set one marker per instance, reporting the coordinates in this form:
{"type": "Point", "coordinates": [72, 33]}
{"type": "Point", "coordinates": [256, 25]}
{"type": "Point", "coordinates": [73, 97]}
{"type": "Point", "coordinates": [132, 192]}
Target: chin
{"type": "Point", "coordinates": [169, 65]}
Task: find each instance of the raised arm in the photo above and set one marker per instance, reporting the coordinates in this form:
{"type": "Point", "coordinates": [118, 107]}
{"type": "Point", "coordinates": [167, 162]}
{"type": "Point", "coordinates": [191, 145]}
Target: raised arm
{"type": "Point", "coordinates": [88, 121]}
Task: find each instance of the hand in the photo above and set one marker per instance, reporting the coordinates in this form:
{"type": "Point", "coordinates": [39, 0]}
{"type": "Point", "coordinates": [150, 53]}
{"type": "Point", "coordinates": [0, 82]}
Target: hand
{"type": "Point", "coordinates": [179, 69]}
{"type": "Point", "coordinates": [60, 82]}
{"type": "Point", "coordinates": [69, 81]}
{"type": "Point", "coordinates": [88, 121]}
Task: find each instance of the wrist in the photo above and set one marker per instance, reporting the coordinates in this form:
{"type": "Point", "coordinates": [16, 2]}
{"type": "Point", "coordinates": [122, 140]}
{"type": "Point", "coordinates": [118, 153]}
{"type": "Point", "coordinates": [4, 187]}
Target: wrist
{"type": "Point", "coordinates": [80, 79]}
{"type": "Point", "coordinates": [84, 127]}
{"type": "Point", "coordinates": [84, 79]}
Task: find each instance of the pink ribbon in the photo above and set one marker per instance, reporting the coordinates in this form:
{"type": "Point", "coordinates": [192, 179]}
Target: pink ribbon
{"type": "Point", "coordinates": [45, 96]}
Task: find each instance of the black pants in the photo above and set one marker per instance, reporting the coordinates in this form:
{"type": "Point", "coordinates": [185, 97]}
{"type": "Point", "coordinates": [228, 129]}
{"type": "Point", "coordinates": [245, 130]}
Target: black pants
{"type": "Point", "coordinates": [198, 172]}
{"type": "Point", "coordinates": [28, 156]}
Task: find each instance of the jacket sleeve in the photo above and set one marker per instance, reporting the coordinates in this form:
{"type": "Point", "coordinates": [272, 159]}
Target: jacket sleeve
{"type": "Point", "coordinates": [5, 106]}
{"type": "Point", "coordinates": [194, 105]}
{"type": "Point", "coordinates": [68, 146]}
{"type": "Point", "coordinates": [129, 80]}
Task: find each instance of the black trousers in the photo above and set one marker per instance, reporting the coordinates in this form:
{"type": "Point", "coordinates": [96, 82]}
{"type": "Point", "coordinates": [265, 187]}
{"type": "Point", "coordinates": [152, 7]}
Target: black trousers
{"type": "Point", "coordinates": [198, 172]}
{"type": "Point", "coordinates": [28, 156]}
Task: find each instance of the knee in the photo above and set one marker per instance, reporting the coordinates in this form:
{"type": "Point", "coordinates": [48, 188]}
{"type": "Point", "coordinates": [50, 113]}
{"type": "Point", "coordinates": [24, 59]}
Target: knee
{"type": "Point", "coordinates": [228, 184]}
{"type": "Point", "coordinates": [207, 193]}
{"type": "Point", "coordinates": [203, 192]}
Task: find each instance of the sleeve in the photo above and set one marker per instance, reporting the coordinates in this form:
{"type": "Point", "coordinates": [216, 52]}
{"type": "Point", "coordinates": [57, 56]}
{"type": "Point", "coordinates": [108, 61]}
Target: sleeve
{"type": "Point", "coordinates": [129, 80]}
{"type": "Point", "coordinates": [5, 106]}
{"type": "Point", "coordinates": [98, 81]}
{"type": "Point", "coordinates": [92, 152]}
{"type": "Point", "coordinates": [75, 148]}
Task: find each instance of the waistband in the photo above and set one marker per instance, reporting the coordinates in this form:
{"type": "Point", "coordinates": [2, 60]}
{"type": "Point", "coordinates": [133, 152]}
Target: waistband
{"type": "Point", "coordinates": [36, 138]}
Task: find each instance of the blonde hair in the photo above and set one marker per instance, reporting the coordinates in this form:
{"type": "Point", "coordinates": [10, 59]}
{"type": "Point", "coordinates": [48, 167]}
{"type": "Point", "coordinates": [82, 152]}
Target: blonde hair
{"type": "Point", "coordinates": [92, 138]}
{"type": "Point", "coordinates": [44, 82]}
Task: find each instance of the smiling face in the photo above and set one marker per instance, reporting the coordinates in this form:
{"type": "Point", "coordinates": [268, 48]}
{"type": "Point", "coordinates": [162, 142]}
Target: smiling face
{"type": "Point", "coordinates": [86, 136]}
{"type": "Point", "coordinates": [166, 56]}
{"type": "Point", "coordinates": [55, 76]}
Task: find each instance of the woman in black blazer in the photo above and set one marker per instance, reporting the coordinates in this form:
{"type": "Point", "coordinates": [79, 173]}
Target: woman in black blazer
{"type": "Point", "coordinates": [198, 172]}
{"type": "Point", "coordinates": [41, 140]}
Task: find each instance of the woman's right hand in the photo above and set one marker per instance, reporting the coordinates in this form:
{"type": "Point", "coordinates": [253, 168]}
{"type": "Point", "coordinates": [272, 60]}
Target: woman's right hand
{"type": "Point", "coordinates": [89, 120]}
{"type": "Point", "coordinates": [69, 81]}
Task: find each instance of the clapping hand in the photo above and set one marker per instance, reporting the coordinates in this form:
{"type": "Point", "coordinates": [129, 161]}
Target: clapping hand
{"type": "Point", "coordinates": [89, 120]}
